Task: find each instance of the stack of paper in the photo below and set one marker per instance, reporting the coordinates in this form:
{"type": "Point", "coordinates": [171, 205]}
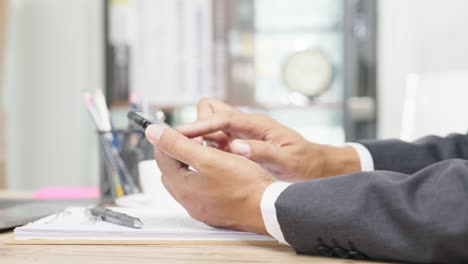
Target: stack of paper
{"type": "Point", "coordinates": [75, 223]}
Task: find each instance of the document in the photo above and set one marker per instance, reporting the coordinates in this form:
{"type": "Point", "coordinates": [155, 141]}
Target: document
{"type": "Point", "coordinates": [75, 223]}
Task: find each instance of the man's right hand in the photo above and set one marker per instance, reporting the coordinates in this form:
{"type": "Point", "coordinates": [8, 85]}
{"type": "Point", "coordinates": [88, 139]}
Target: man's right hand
{"type": "Point", "coordinates": [280, 150]}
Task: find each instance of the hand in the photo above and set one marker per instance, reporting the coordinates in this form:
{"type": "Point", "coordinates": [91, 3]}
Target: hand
{"type": "Point", "coordinates": [282, 151]}
{"type": "Point", "coordinates": [225, 190]}
{"type": "Point", "coordinates": [206, 108]}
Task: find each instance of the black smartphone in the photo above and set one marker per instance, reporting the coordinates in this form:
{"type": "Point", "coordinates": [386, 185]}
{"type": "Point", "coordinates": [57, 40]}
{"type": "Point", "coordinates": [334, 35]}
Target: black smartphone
{"type": "Point", "coordinates": [144, 119]}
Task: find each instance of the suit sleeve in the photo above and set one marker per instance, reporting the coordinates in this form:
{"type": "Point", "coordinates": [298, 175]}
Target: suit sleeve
{"type": "Point", "coordinates": [381, 215]}
{"type": "Point", "coordinates": [400, 156]}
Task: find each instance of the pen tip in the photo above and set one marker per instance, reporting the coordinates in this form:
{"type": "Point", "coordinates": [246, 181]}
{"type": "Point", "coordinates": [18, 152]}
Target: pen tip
{"type": "Point", "coordinates": [137, 223]}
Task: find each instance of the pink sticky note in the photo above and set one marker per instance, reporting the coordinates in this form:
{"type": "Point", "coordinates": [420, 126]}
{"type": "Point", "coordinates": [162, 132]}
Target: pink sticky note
{"type": "Point", "coordinates": [64, 193]}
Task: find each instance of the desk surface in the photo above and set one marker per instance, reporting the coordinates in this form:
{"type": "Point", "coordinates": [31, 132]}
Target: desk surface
{"type": "Point", "coordinates": [83, 254]}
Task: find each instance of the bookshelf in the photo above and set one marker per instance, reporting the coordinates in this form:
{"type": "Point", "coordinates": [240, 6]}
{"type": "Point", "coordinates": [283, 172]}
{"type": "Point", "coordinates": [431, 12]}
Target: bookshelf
{"type": "Point", "coordinates": [247, 45]}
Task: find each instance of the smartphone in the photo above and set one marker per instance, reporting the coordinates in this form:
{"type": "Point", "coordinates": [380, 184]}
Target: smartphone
{"type": "Point", "coordinates": [144, 119]}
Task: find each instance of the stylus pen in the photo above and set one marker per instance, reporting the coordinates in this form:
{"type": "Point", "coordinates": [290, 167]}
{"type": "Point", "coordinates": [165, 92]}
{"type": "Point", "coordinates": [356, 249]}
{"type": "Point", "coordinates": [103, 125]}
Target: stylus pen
{"type": "Point", "coordinates": [115, 217]}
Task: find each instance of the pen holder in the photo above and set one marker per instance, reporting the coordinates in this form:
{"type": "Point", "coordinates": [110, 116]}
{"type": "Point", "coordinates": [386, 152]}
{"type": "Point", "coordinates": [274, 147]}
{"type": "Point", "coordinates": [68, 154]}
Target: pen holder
{"type": "Point", "coordinates": [121, 151]}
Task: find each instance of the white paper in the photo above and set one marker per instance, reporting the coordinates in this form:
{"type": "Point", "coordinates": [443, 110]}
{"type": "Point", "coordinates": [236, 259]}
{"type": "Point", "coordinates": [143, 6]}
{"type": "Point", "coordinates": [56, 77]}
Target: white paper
{"type": "Point", "coordinates": [75, 223]}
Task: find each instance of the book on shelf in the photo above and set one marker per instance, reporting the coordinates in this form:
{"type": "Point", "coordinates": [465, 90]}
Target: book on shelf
{"type": "Point", "coordinates": [164, 51]}
{"type": "Point", "coordinates": [174, 52]}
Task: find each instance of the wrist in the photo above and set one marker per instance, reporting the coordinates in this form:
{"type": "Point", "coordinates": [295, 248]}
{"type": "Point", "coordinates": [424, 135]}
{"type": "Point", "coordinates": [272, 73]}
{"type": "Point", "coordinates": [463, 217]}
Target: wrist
{"type": "Point", "coordinates": [340, 160]}
{"type": "Point", "coordinates": [251, 219]}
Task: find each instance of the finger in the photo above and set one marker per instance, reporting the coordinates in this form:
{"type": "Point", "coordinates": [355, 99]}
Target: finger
{"type": "Point", "coordinates": [205, 109]}
{"type": "Point", "coordinates": [175, 172]}
{"type": "Point", "coordinates": [167, 164]}
{"type": "Point", "coordinates": [219, 138]}
{"type": "Point", "coordinates": [216, 136]}
{"type": "Point", "coordinates": [199, 140]}
{"type": "Point", "coordinates": [208, 106]}
{"type": "Point", "coordinates": [178, 146]}
{"type": "Point", "coordinates": [240, 124]}
{"type": "Point", "coordinates": [261, 152]}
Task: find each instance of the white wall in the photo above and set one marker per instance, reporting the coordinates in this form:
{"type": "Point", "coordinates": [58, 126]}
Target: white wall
{"type": "Point", "coordinates": [53, 54]}
{"type": "Point", "coordinates": [416, 36]}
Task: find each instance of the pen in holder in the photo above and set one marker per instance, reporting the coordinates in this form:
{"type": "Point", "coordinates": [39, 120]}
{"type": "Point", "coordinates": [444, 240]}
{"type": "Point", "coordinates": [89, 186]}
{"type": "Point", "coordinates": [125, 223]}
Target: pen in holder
{"type": "Point", "coordinates": [119, 176]}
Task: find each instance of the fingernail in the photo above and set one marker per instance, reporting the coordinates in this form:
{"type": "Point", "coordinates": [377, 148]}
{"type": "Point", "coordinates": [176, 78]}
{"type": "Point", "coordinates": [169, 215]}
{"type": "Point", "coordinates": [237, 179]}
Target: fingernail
{"type": "Point", "coordinates": [154, 133]}
{"type": "Point", "coordinates": [241, 148]}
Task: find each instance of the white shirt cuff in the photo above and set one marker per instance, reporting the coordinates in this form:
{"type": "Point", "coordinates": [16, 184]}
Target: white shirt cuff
{"type": "Point", "coordinates": [267, 205]}
{"type": "Point", "coordinates": [367, 163]}
{"type": "Point", "coordinates": [273, 191]}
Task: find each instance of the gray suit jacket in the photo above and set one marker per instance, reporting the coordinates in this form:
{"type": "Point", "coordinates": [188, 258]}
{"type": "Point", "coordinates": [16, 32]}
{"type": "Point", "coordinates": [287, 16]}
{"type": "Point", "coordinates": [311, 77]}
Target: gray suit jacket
{"type": "Point", "coordinates": [413, 208]}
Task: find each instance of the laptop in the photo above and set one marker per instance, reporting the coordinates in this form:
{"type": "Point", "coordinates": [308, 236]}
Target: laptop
{"type": "Point", "coordinates": [15, 213]}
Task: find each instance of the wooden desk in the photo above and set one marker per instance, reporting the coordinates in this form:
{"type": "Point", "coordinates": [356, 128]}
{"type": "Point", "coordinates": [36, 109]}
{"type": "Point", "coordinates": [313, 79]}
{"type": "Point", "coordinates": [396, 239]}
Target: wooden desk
{"type": "Point", "coordinates": [137, 254]}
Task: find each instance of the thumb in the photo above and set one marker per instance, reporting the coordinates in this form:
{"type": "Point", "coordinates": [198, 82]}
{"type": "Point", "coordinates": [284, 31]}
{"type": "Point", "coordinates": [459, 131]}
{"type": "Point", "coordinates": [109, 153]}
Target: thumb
{"type": "Point", "coordinates": [176, 145]}
{"type": "Point", "coordinates": [260, 151]}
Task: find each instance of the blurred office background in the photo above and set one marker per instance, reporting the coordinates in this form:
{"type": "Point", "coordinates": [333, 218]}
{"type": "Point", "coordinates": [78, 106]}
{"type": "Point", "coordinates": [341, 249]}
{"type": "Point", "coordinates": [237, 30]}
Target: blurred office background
{"type": "Point", "coordinates": [335, 70]}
